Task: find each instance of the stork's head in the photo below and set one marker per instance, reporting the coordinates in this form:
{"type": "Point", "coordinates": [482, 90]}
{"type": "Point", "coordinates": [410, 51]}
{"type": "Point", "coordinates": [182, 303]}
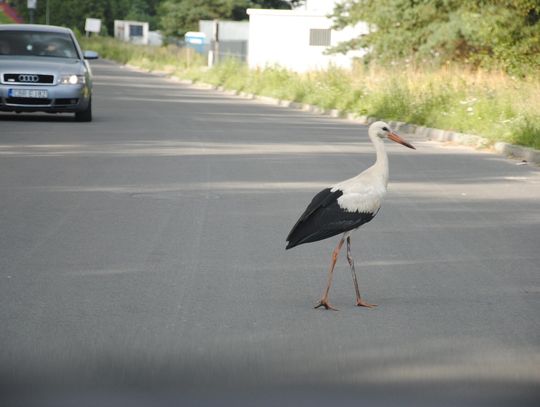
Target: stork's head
{"type": "Point", "coordinates": [383, 130]}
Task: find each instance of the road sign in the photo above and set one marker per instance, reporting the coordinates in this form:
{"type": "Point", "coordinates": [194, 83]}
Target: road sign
{"type": "Point", "coordinates": [92, 25]}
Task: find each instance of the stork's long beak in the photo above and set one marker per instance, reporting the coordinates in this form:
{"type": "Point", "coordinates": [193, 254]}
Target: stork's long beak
{"type": "Point", "coordinates": [394, 137]}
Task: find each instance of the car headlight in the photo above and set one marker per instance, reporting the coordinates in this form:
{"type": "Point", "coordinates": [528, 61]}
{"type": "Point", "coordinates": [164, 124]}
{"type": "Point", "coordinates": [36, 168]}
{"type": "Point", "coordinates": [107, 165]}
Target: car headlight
{"type": "Point", "coordinates": [72, 79]}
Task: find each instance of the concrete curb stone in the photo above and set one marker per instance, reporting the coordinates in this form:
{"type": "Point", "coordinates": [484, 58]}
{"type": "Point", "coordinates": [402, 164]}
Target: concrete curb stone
{"type": "Point", "coordinates": [429, 133]}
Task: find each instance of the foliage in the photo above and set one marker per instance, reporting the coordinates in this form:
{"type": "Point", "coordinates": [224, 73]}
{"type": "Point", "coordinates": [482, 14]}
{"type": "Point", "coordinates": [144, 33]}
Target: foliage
{"type": "Point", "coordinates": [142, 10]}
{"type": "Point", "coordinates": [174, 17]}
{"type": "Point", "coordinates": [179, 16]}
{"type": "Point", "coordinates": [169, 58]}
{"type": "Point", "coordinates": [495, 34]}
{"type": "Point", "coordinates": [73, 13]}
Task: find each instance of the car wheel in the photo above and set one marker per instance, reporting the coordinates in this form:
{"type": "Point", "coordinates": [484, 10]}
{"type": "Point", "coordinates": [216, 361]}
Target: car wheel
{"type": "Point", "coordinates": [86, 114]}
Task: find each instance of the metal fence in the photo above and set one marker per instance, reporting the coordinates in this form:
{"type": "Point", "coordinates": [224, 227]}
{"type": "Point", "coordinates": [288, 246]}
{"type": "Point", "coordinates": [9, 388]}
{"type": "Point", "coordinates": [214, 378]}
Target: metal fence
{"type": "Point", "coordinates": [224, 50]}
{"type": "Point", "coordinates": [230, 50]}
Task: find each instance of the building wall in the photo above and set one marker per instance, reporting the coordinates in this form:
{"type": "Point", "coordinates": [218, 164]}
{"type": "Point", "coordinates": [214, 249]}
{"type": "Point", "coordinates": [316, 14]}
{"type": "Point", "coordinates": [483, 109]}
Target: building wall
{"type": "Point", "coordinates": [122, 31]}
{"type": "Point", "coordinates": [282, 37]}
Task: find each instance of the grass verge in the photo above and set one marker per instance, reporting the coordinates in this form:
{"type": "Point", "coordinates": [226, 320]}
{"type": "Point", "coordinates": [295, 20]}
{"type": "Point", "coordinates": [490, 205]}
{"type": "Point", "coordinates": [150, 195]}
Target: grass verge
{"type": "Point", "coordinates": [490, 104]}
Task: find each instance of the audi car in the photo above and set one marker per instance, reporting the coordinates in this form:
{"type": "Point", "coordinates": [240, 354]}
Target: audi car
{"type": "Point", "coordinates": [42, 69]}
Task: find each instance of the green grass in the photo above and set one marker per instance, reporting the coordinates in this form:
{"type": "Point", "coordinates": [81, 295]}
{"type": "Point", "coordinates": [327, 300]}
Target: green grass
{"type": "Point", "coordinates": [490, 104]}
{"type": "Point", "coordinates": [170, 59]}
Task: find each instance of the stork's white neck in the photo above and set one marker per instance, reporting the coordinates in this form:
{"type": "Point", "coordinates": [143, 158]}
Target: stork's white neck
{"type": "Point", "coordinates": [365, 192]}
{"type": "Point", "coordinates": [381, 165]}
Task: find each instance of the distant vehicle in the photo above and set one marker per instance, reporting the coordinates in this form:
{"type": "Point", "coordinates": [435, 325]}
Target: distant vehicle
{"type": "Point", "coordinates": [42, 69]}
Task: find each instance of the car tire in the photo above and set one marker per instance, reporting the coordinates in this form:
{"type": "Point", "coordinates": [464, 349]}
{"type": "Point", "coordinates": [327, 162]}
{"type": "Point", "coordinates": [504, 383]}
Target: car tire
{"type": "Point", "coordinates": [86, 114]}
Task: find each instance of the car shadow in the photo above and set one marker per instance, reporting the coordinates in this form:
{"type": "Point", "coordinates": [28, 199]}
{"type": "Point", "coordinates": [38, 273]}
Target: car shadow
{"type": "Point", "coordinates": [22, 117]}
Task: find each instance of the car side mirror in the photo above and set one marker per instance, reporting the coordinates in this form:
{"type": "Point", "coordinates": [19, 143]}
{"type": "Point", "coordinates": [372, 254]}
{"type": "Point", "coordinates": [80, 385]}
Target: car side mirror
{"type": "Point", "coordinates": [90, 55]}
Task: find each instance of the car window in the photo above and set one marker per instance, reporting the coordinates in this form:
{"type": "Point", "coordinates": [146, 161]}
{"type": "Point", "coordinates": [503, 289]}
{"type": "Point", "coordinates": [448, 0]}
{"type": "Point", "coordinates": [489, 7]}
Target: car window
{"type": "Point", "coordinates": [37, 43]}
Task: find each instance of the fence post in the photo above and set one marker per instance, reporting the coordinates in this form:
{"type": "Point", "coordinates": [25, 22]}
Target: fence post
{"type": "Point", "coordinates": [216, 42]}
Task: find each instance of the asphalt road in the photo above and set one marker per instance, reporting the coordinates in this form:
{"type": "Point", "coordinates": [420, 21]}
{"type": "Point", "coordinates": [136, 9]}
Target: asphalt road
{"type": "Point", "coordinates": [142, 261]}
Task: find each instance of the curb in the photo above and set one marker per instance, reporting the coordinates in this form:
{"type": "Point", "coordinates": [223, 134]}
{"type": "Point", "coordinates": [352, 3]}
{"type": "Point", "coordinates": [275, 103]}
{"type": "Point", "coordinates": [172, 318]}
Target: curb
{"type": "Point", "coordinates": [471, 140]}
{"type": "Point", "coordinates": [524, 153]}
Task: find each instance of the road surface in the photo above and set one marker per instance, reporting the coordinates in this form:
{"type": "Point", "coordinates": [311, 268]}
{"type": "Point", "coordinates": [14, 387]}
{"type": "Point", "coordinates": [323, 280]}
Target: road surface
{"type": "Point", "coordinates": [142, 261]}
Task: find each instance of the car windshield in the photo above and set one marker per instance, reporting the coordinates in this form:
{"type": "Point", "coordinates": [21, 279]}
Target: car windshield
{"type": "Point", "coordinates": [37, 43]}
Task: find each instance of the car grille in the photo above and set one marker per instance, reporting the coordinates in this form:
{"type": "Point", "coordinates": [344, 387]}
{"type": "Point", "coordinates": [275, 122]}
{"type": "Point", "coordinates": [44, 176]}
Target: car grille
{"type": "Point", "coordinates": [28, 101]}
{"type": "Point", "coordinates": [28, 78]}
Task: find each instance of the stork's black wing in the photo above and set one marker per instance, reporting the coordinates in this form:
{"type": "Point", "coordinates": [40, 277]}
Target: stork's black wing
{"type": "Point", "coordinates": [324, 218]}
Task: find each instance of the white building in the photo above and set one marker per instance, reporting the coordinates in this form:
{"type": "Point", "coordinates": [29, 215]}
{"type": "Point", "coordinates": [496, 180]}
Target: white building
{"type": "Point", "coordinates": [298, 39]}
{"type": "Point", "coordinates": [131, 31]}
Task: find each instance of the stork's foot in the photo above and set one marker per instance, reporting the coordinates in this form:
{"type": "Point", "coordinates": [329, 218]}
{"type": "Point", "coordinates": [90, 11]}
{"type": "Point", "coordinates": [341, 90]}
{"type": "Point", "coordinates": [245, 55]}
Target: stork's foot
{"type": "Point", "coordinates": [324, 303]}
{"type": "Point", "coordinates": [362, 303]}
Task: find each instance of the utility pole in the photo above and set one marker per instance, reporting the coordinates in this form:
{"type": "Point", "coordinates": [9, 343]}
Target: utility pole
{"type": "Point", "coordinates": [47, 14]}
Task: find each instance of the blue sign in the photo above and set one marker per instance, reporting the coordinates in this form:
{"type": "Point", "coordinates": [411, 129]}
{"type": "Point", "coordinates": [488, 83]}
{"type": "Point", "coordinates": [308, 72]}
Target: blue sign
{"type": "Point", "coordinates": [195, 40]}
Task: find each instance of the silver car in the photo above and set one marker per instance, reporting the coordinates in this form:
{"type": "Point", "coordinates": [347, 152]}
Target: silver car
{"type": "Point", "coordinates": [42, 69]}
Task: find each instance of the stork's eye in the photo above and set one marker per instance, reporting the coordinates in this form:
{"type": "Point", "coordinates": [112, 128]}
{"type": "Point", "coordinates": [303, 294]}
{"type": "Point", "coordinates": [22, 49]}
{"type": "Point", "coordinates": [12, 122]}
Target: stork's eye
{"type": "Point", "coordinates": [385, 129]}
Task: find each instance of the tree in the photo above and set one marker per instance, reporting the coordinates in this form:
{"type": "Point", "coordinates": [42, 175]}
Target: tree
{"type": "Point", "coordinates": [142, 10]}
{"type": "Point", "coordinates": [179, 16]}
{"type": "Point", "coordinates": [493, 33]}
{"type": "Point", "coordinates": [174, 16]}
{"type": "Point", "coordinates": [73, 13]}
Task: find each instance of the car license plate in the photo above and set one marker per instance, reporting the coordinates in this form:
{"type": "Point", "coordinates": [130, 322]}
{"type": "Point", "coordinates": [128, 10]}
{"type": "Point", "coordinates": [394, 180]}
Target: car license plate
{"type": "Point", "coordinates": [28, 93]}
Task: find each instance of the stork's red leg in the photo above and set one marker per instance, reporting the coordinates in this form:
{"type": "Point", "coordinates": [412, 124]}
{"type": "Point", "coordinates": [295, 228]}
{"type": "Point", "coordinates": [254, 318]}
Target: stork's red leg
{"type": "Point", "coordinates": [324, 300]}
{"type": "Point", "coordinates": [359, 301]}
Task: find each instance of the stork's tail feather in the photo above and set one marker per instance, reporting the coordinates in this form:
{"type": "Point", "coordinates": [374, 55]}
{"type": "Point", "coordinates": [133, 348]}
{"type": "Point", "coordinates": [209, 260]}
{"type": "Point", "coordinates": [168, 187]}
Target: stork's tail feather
{"type": "Point", "coordinates": [290, 245]}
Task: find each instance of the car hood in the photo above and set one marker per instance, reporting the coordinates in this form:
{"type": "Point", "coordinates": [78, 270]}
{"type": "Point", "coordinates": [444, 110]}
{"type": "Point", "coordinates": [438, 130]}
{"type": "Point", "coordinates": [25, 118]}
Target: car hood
{"type": "Point", "coordinates": [41, 65]}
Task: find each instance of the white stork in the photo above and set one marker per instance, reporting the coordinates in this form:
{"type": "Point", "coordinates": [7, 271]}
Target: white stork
{"type": "Point", "coordinates": [345, 206]}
